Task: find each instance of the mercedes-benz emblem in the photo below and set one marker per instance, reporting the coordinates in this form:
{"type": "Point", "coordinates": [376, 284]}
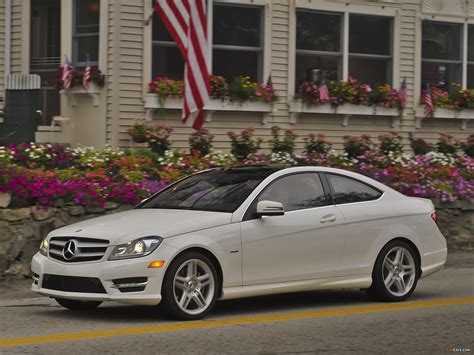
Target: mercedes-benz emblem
{"type": "Point", "coordinates": [69, 250]}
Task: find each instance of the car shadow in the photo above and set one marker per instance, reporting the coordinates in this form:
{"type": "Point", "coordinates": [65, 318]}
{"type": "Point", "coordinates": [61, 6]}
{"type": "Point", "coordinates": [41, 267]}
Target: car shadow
{"type": "Point", "coordinates": [114, 312]}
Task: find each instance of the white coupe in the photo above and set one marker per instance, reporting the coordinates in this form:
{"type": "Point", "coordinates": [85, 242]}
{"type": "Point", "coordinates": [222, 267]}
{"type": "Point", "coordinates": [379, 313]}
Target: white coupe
{"type": "Point", "coordinates": [237, 232]}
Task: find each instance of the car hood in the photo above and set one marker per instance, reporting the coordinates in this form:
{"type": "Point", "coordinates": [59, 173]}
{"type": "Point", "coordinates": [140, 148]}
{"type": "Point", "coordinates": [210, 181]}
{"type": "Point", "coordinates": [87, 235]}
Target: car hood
{"type": "Point", "coordinates": [125, 226]}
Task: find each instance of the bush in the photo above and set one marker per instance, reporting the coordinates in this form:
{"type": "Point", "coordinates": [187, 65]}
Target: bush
{"type": "Point", "coordinates": [468, 146]}
{"type": "Point", "coordinates": [200, 142]}
{"type": "Point", "coordinates": [447, 144]}
{"type": "Point", "coordinates": [244, 144]}
{"type": "Point", "coordinates": [285, 145]}
{"type": "Point", "coordinates": [158, 138]}
{"type": "Point", "coordinates": [420, 146]}
{"type": "Point", "coordinates": [356, 146]}
{"type": "Point", "coordinates": [316, 144]}
{"type": "Point", "coordinates": [391, 143]}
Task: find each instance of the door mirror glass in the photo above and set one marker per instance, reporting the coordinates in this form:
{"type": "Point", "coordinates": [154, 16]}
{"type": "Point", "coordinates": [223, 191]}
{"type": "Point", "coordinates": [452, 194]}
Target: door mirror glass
{"type": "Point", "coordinates": [270, 208]}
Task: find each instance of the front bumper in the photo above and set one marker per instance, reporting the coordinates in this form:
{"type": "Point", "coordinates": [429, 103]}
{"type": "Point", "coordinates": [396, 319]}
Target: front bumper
{"type": "Point", "coordinates": [105, 271]}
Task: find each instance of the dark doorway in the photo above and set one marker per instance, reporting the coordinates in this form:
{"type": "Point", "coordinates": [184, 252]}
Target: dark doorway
{"type": "Point", "coordinates": [45, 53]}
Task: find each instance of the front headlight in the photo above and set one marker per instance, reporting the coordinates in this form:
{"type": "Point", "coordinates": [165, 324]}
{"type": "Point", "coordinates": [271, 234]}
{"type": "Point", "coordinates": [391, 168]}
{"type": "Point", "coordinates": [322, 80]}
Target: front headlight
{"type": "Point", "coordinates": [136, 248]}
{"type": "Point", "coordinates": [44, 246]}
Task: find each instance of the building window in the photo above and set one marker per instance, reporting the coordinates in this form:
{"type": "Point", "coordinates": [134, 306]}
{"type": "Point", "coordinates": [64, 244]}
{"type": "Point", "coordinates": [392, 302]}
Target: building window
{"type": "Point", "coordinates": [237, 47]}
{"type": "Point", "coordinates": [86, 31]}
{"type": "Point", "coordinates": [320, 47]}
{"type": "Point", "coordinates": [441, 54]}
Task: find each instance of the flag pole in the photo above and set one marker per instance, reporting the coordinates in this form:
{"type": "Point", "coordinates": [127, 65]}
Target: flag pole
{"type": "Point", "coordinates": [209, 17]}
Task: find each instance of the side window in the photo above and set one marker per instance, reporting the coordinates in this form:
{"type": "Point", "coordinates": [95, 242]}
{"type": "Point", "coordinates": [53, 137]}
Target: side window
{"type": "Point", "coordinates": [347, 190]}
{"type": "Point", "coordinates": [296, 192]}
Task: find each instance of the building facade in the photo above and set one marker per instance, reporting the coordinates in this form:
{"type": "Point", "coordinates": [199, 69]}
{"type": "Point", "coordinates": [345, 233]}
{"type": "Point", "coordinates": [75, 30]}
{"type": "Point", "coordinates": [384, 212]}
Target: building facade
{"type": "Point", "coordinates": [375, 41]}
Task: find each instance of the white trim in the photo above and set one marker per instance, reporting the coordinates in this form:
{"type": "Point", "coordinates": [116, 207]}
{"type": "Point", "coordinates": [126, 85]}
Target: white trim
{"type": "Point", "coordinates": [345, 46]}
{"type": "Point", "coordinates": [464, 55]}
{"type": "Point", "coordinates": [25, 39]}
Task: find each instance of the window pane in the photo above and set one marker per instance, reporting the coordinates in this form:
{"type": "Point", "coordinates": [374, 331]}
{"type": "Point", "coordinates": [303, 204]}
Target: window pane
{"type": "Point", "coordinates": [160, 33]}
{"type": "Point", "coordinates": [441, 40]}
{"type": "Point", "coordinates": [167, 61]}
{"type": "Point", "coordinates": [370, 34]}
{"type": "Point", "coordinates": [237, 25]}
{"type": "Point", "coordinates": [318, 31]}
{"type": "Point", "coordinates": [470, 76]}
{"type": "Point", "coordinates": [370, 71]}
{"type": "Point", "coordinates": [470, 46]}
{"type": "Point", "coordinates": [87, 16]}
{"type": "Point", "coordinates": [329, 67]}
{"type": "Point", "coordinates": [296, 192]}
{"type": "Point", "coordinates": [440, 74]}
{"type": "Point", "coordinates": [224, 64]}
{"type": "Point", "coordinates": [87, 45]}
{"type": "Point", "coordinates": [348, 190]}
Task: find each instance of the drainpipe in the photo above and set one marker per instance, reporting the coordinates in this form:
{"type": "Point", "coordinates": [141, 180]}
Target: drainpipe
{"type": "Point", "coordinates": [8, 38]}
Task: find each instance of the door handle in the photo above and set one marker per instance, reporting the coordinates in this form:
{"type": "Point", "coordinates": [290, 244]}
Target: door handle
{"type": "Point", "coordinates": [328, 218]}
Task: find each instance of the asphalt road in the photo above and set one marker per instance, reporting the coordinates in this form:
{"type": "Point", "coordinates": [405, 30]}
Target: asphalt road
{"type": "Point", "coordinates": [439, 318]}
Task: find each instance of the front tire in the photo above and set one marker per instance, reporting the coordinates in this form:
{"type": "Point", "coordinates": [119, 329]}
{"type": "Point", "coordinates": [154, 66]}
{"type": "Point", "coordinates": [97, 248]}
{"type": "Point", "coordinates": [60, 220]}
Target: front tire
{"type": "Point", "coordinates": [396, 272]}
{"type": "Point", "coordinates": [78, 305]}
{"type": "Point", "coordinates": [190, 287]}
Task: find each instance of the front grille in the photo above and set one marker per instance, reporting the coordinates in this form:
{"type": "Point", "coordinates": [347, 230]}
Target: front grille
{"type": "Point", "coordinates": [81, 249]}
{"type": "Point", "coordinates": [72, 284]}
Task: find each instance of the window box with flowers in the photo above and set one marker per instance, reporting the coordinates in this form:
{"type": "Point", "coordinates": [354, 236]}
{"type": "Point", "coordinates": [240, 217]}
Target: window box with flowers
{"type": "Point", "coordinates": [457, 104]}
{"type": "Point", "coordinates": [240, 95]}
{"type": "Point", "coordinates": [77, 85]}
{"type": "Point", "coordinates": [347, 98]}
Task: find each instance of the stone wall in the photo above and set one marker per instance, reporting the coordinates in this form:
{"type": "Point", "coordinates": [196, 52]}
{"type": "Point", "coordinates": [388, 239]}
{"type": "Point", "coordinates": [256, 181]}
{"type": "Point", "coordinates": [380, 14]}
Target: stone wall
{"type": "Point", "coordinates": [21, 230]}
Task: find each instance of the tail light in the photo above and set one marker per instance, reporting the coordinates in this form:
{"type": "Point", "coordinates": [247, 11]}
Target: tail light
{"type": "Point", "coordinates": [434, 217]}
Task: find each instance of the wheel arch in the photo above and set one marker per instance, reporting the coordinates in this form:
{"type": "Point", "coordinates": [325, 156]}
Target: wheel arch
{"type": "Point", "coordinates": [212, 258]}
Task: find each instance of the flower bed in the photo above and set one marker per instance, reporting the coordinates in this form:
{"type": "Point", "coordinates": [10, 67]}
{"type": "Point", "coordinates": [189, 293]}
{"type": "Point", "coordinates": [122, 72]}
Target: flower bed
{"type": "Point", "coordinates": [49, 176]}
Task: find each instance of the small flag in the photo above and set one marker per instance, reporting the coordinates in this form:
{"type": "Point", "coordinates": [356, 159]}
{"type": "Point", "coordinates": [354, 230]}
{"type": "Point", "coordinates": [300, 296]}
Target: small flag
{"type": "Point", "coordinates": [269, 81]}
{"type": "Point", "coordinates": [87, 73]}
{"type": "Point", "coordinates": [67, 73]}
{"type": "Point", "coordinates": [429, 107]}
{"type": "Point", "coordinates": [402, 93]}
{"type": "Point", "coordinates": [323, 92]}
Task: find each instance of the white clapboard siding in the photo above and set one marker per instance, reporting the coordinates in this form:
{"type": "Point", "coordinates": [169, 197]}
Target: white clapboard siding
{"type": "Point", "coordinates": [17, 37]}
{"type": "Point", "coordinates": [2, 52]}
{"type": "Point", "coordinates": [125, 95]}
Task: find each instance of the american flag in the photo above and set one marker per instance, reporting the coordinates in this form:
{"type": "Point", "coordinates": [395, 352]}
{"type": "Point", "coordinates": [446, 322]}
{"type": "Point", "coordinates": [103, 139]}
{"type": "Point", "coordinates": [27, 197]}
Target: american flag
{"type": "Point", "coordinates": [87, 74]}
{"type": "Point", "coordinates": [67, 73]}
{"type": "Point", "coordinates": [402, 93]}
{"type": "Point", "coordinates": [185, 20]}
{"type": "Point", "coordinates": [323, 92]}
{"type": "Point", "coordinates": [429, 108]}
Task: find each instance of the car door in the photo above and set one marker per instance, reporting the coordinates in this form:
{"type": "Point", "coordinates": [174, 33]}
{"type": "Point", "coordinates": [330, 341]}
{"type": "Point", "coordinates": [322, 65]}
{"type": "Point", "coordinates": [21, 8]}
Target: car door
{"type": "Point", "coordinates": [366, 217]}
{"type": "Point", "coordinates": [305, 243]}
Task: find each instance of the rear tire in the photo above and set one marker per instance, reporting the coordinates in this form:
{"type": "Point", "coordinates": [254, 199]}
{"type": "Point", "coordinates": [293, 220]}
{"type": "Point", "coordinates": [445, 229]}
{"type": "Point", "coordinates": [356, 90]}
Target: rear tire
{"type": "Point", "coordinates": [190, 287]}
{"type": "Point", "coordinates": [395, 273]}
{"type": "Point", "coordinates": [76, 305]}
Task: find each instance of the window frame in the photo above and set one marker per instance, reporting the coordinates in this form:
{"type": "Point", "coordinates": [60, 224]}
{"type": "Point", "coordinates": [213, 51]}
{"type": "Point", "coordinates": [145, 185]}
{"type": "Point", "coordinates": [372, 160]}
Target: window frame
{"type": "Point", "coordinates": [75, 36]}
{"type": "Point", "coordinates": [265, 45]}
{"type": "Point", "coordinates": [250, 215]}
{"type": "Point", "coordinates": [368, 9]}
{"type": "Point", "coordinates": [331, 188]}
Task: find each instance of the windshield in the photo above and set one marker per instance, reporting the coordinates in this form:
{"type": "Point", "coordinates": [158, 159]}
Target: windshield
{"type": "Point", "coordinates": [218, 190]}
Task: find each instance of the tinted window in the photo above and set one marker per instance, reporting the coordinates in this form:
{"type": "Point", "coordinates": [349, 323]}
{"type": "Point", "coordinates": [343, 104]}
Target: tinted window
{"type": "Point", "coordinates": [219, 190]}
{"type": "Point", "coordinates": [347, 190]}
{"type": "Point", "coordinates": [296, 192]}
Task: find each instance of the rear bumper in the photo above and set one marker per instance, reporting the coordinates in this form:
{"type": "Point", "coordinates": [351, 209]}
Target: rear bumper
{"type": "Point", "coordinates": [105, 271]}
{"type": "Point", "coordinates": [433, 262]}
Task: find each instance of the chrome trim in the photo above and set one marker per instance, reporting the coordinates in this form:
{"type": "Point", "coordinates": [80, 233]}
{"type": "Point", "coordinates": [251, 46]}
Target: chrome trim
{"type": "Point", "coordinates": [135, 284]}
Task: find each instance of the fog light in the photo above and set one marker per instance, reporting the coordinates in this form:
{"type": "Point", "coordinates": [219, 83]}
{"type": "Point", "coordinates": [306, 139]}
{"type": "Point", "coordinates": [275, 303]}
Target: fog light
{"type": "Point", "coordinates": [156, 264]}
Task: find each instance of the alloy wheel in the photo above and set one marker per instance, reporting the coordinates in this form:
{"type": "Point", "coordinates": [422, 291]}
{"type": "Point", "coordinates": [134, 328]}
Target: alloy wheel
{"type": "Point", "coordinates": [399, 271]}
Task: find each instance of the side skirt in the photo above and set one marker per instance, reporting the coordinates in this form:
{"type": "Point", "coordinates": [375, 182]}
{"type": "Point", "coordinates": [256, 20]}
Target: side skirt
{"type": "Point", "coordinates": [357, 281]}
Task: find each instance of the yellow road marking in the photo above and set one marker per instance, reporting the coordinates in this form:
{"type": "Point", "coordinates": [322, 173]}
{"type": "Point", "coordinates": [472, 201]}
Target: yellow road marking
{"type": "Point", "coordinates": [236, 321]}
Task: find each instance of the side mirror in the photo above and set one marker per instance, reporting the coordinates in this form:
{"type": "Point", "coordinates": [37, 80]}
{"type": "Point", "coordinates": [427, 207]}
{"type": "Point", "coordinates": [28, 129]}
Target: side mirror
{"type": "Point", "coordinates": [270, 208]}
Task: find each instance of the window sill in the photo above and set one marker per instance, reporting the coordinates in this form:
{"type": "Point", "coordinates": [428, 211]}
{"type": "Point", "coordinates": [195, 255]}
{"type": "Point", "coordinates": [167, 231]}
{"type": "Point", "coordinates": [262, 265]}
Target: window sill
{"type": "Point", "coordinates": [297, 107]}
{"type": "Point", "coordinates": [93, 92]}
{"type": "Point", "coordinates": [451, 114]}
{"type": "Point", "coordinates": [152, 104]}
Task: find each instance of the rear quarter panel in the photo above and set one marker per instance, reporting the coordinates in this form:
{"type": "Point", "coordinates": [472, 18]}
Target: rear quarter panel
{"type": "Point", "coordinates": [371, 225]}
